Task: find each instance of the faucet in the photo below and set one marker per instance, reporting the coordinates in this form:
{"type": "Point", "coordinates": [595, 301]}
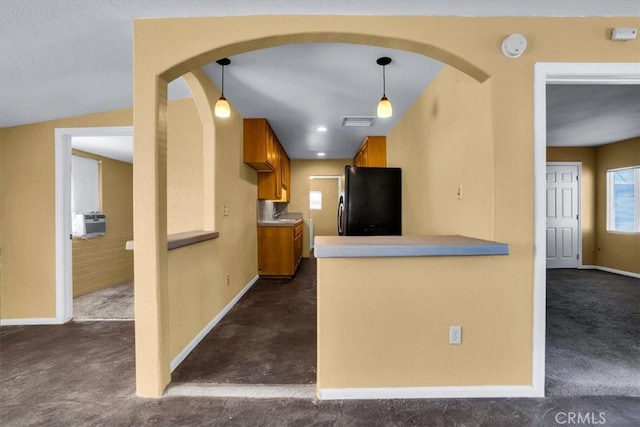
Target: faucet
{"type": "Point", "coordinates": [277, 214]}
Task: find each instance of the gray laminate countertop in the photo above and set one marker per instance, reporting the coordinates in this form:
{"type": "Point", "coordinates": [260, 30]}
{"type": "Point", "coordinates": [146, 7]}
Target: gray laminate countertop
{"type": "Point", "coordinates": [404, 246]}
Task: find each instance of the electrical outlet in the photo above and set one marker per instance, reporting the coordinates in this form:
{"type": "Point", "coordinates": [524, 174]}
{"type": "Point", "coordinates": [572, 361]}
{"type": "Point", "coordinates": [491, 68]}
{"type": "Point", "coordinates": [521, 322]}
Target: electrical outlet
{"type": "Point", "coordinates": [225, 209]}
{"type": "Point", "coordinates": [228, 279]}
{"type": "Point", "coordinates": [455, 334]}
{"type": "Point", "coordinates": [460, 192]}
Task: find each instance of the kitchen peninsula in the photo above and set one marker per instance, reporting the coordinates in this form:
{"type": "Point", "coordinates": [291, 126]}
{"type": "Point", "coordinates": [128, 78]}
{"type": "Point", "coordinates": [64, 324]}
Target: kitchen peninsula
{"type": "Point", "coordinates": [385, 306]}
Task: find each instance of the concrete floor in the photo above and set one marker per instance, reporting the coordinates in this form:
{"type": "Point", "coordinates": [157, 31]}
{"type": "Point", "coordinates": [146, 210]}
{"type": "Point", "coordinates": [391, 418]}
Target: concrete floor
{"type": "Point", "coordinates": [82, 373]}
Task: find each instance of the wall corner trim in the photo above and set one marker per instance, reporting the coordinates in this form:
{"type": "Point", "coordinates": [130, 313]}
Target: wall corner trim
{"type": "Point", "coordinates": [32, 321]}
{"type": "Point", "coordinates": [196, 340]}
{"type": "Point", "coordinates": [428, 392]}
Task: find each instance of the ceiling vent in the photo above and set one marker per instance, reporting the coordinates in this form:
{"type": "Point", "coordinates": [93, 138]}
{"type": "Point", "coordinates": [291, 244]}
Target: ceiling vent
{"type": "Point", "coordinates": [358, 121]}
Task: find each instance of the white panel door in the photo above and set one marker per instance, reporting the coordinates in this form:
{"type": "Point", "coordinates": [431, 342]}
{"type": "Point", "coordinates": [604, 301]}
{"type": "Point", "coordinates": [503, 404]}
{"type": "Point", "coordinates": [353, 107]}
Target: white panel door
{"type": "Point", "coordinates": [563, 232]}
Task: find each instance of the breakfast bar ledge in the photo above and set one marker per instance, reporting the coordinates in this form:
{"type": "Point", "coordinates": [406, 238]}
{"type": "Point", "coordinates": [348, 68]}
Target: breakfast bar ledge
{"type": "Point", "coordinates": [404, 246]}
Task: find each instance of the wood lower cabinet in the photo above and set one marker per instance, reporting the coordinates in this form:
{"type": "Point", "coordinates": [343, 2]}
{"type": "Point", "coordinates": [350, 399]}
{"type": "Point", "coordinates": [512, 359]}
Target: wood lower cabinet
{"type": "Point", "coordinates": [279, 250]}
{"type": "Point", "coordinates": [372, 153]}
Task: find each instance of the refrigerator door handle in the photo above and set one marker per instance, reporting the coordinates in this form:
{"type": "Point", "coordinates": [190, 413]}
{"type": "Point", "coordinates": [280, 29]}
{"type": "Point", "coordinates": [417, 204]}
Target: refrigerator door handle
{"type": "Point", "coordinates": [340, 215]}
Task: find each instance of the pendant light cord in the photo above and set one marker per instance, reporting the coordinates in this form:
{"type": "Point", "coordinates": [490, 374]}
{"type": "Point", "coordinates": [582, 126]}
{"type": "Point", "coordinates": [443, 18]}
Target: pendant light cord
{"type": "Point", "coordinates": [222, 94]}
{"type": "Point", "coordinates": [384, 80]}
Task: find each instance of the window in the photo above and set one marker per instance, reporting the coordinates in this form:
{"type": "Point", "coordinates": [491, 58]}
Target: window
{"type": "Point", "coordinates": [315, 200]}
{"type": "Point", "coordinates": [85, 185]}
{"type": "Point", "coordinates": [623, 200]}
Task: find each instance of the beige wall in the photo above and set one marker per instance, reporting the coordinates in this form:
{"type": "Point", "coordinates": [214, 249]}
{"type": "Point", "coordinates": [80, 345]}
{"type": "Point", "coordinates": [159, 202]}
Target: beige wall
{"type": "Point", "coordinates": [444, 142]}
{"type": "Point", "coordinates": [619, 251]}
{"type": "Point", "coordinates": [197, 283]}
{"type": "Point", "coordinates": [184, 167]}
{"type": "Point", "coordinates": [384, 322]}
{"type": "Point", "coordinates": [301, 170]}
{"type": "Point", "coordinates": [587, 156]}
{"type": "Point", "coordinates": [103, 261]}
{"type": "Point", "coordinates": [167, 48]}
{"type": "Point", "coordinates": [28, 177]}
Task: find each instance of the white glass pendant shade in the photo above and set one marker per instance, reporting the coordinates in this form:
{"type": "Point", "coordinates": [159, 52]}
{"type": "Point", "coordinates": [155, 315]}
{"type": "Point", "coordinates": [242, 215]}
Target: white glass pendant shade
{"type": "Point", "coordinates": [384, 108]}
{"type": "Point", "coordinates": [222, 108]}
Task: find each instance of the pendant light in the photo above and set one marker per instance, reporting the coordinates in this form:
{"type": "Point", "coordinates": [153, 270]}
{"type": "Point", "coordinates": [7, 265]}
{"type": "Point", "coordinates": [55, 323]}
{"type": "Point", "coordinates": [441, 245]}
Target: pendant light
{"type": "Point", "coordinates": [223, 109]}
{"type": "Point", "coordinates": [384, 106]}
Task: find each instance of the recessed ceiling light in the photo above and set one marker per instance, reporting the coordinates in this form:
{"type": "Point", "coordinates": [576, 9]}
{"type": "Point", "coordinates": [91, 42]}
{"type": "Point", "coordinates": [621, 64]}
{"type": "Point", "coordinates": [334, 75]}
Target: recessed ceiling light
{"type": "Point", "coordinates": [321, 154]}
{"type": "Point", "coordinates": [321, 129]}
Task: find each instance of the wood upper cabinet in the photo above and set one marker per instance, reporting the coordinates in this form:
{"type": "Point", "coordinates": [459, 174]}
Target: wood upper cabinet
{"type": "Point", "coordinates": [286, 171]}
{"type": "Point", "coordinates": [270, 183]}
{"type": "Point", "coordinates": [372, 152]}
{"type": "Point", "coordinates": [264, 153]}
{"type": "Point", "coordinates": [260, 145]}
{"type": "Point", "coordinates": [279, 250]}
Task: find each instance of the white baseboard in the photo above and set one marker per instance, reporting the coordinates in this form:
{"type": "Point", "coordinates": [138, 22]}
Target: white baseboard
{"type": "Point", "coordinates": [31, 321]}
{"type": "Point", "coordinates": [196, 340]}
{"type": "Point", "coordinates": [610, 270]}
{"type": "Point", "coordinates": [427, 392]}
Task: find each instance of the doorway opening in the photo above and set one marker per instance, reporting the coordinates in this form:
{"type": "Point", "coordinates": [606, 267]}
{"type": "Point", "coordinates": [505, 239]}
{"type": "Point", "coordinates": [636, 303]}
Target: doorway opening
{"type": "Point", "coordinates": [569, 74]}
{"type": "Point", "coordinates": [324, 195]}
{"type": "Point", "coordinates": [94, 272]}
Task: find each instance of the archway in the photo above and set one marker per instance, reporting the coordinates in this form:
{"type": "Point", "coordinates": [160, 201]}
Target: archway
{"type": "Point", "coordinates": [161, 57]}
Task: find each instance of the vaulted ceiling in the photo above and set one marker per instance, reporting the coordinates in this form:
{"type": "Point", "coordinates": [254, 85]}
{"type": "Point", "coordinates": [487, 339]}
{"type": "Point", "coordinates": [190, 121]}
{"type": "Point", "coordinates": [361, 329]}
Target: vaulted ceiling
{"type": "Point", "coordinates": [64, 58]}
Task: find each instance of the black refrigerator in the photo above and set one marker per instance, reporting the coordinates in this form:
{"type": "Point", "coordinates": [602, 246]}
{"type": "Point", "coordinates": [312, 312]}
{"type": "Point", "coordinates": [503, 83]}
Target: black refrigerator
{"type": "Point", "coordinates": [371, 203]}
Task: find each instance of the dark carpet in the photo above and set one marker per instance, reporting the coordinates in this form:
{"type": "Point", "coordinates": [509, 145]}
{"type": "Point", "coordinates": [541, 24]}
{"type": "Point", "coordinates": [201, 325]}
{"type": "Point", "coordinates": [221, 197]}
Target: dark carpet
{"type": "Point", "coordinates": [269, 337]}
{"type": "Point", "coordinates": [82, 374]}
{"type": "Point", "coordinates": [593, 334]}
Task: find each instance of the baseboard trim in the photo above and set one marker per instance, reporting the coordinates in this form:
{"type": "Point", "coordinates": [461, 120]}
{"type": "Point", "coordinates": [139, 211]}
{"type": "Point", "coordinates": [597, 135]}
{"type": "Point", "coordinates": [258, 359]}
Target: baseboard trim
{"type": "Point", "coordinates": [245, 391]}
{"type": "Point", "coordinates": [31, 321]}
{"type": "Point", "coordinates": [427, 392]}
{"type": "Point", "coordinates": [610, 270]}
{"type": "Point", "coordinates": [196, 340]}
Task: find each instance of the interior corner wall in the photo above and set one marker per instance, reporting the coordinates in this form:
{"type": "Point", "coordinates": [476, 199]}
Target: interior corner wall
{"type": "Point", "coordinates": [587, 156]}
{"type": "Point", "coordinates": [619, 251]}
{"type": "Point", "coordinates": [27, 172]}
{"type": "Point", "coordinates": [198, 288]}
{"type": "Point", "coordinates": [301, 170]}
{"type": "Point", "coordinates": [184, 167]}
{"type": "Point", "coordinates": [444, 144]}
{"type": "Point", "coordinates": [103, 261]}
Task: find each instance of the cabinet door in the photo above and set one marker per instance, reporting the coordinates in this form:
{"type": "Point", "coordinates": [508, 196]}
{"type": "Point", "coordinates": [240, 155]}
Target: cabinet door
{"type": "Point", "coordinates": [297, 243]}
{"type": "Point", "coordinates": [275, 251]}
{"type": "Point", "coordinates": [372, 152]}
{"type": "Point", "coordinates": [274, 147]}
{"type": "Point", "coordinates": [377, 151]}
{"type": "Point", "coordinates": [258, 144]}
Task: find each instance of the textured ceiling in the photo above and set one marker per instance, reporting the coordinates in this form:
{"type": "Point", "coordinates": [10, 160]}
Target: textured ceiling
{"type": "Point", "coordinates": [62, 58]}
{"type": "Point", "coordinates": [588, 115]}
